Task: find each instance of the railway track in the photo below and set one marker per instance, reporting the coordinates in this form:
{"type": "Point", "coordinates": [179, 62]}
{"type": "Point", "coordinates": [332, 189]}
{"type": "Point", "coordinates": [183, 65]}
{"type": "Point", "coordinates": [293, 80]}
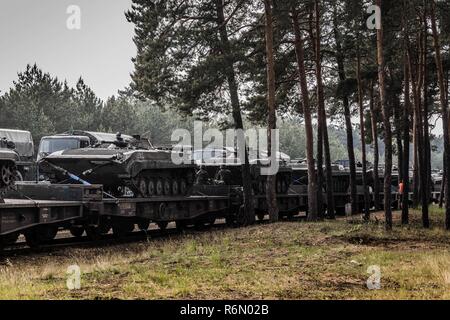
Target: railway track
{"type": "Point", "coordinates": [65, 240]}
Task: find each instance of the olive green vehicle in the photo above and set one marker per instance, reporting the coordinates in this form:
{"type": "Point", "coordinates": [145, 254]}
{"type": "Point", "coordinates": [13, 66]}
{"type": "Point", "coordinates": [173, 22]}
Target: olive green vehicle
{"type": "Point", "coordinates": [218, 161]}
{"type": "Point", "coordinates": [124, 165]}
{"type": "Point", "coordinates": [8, 168]}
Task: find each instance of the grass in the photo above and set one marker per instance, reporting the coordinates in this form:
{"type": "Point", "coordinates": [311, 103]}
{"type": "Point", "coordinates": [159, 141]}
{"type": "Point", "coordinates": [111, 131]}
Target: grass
{"type": "Point", "coordinates": [287, 260]}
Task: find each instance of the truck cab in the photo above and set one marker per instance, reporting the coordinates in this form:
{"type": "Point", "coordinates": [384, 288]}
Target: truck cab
{"type": "Point", "coordinates": [51, 144]}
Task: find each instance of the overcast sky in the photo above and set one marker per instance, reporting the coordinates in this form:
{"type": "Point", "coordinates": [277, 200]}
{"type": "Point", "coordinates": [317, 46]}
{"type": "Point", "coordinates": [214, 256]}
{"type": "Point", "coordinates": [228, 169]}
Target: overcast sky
{"type": "Point", "coordinates": [35, 31]}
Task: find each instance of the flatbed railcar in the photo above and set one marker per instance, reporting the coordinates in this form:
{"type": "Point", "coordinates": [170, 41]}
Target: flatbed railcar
{"type": "Point", "coordinates": [38, 211]}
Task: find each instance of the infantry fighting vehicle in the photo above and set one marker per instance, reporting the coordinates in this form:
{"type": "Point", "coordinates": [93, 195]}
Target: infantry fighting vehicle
{"type": "Point", "coordinates": [213, 160]}
{"type": "Point", "coordinates": [8, 169]}
{"type": "Point", "coordinates": [121, 164]}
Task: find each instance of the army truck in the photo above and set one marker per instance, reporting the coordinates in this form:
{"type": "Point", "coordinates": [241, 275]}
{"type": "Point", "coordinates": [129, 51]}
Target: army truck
{"type": "Point", "coordinates": [8, 168]}
{"type": "Point", "coordinates": [121, 164]}
{"type": "Point", "coordinates": [24, 148]}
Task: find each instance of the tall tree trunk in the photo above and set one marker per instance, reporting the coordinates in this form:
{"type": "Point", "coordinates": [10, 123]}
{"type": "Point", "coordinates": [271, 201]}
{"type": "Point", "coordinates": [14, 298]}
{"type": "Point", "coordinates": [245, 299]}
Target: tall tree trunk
{"type": "Point", "coordinates": [417, 82]}
{"type": "Point", "coordinates": [376, 152]}
{"type": "Point", "coordinates": [426, 127]}
{"type": "Point", "coordinates": [347, 114]}
{"type": "Point", "coordinates": [387, 125]}
{"type": "Point", "coordinates": [312, 178]}
{"type": "Point", "coordinates": [425, 170]}
{"type": "Point", "coordinates": [271, 180]}
{"type": "Point", "coordinates": [320, 128]}
{"type": "Point", "coordinates": [322, 113]}
{"type": "Point", "coordinates": [405, 165]}
{"type": "Point", "coordinates": [236, 111]}
{"type": "Point", "coordinates": [363, 136]}
{"type": "Point", "coordinates": [444, 106]}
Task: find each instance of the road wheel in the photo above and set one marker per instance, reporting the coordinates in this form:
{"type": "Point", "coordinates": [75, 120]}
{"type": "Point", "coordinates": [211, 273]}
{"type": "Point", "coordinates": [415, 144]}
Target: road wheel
{"type": "Point", "coordinates": [159, 187]}
{"type": "Point", "coordinates": [261, 216]}
{"type": "Point", "coordinates": [151, 188]}
{"type": "Point", "coordinates": [143, 187]}
{"type": "Point", "coordinates": [183, 187]}
{"type": "Point", "coordinates": [167, 187]}
{"type": "Point", "coordinates": [175, 187]}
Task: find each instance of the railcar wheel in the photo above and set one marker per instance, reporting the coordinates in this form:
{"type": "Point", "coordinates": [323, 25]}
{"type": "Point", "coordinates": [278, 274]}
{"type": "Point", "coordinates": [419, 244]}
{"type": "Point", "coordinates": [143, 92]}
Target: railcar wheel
{"type": "Point", "coordinates": [144, 225]}
{"type": "Point", "coordinates": [159, 187]}
{"type": "Point", "coordinates": [181, 225]}
{"type": "Point", "coordinates": [9, 239]}
{"type": "Point", "coordinates": [122, 229]}
{"type": "Point", "coordinates": [162, 225]}
{"type": "Point", "coordinates": [32, 239]}
{"type": "Point", "coordinates": [77, 232]}
{"type": "Point", "coordinates": [151, 188]}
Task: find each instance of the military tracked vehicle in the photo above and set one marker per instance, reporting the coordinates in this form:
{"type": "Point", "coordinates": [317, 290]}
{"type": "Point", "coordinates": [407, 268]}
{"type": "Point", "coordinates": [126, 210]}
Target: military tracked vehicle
{"type": "Point", "coordinates": [218, 162]}
{"type": "Point", "coordinates": [124, 165]}
{"type": "Point", "coordinates": [8, 168]}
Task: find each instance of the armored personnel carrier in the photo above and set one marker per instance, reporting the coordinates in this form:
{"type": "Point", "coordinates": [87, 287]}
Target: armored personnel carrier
{"type": "Point", "coordinates": [216, 161]}
{"type": "Point", "coordinates": [8, 169]}
{"type": "Point", "coordinates": [121, 165]}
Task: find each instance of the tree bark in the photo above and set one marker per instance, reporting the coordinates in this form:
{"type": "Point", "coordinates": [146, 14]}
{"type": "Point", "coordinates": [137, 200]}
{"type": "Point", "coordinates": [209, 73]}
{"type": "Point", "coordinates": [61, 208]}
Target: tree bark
{"type": "Point", "coordinates": [387, 125]}
{"type": "Point", "coordinates": [320, 128]}
{"type": "Point", "coordinates": [363, 136]}
{"type": "Point", "coordinates": [322, 114]}
{"type": "Point", "coordinates": [376, 152]}
{"type": "Point", "coordinates": [312, 179]}
{"type": "Point", "coordinates": [425, 169]}
{"type": "Point", "coordinates": [236, 111]}
{"type": "Point", "coordinates": [348, 117]}
{"type": "Point", "coordinates": [444, 106]}
{"type": "Point", "coordinates": [271, 180]}
{"type": "Point", "coordinates": [405, 164]}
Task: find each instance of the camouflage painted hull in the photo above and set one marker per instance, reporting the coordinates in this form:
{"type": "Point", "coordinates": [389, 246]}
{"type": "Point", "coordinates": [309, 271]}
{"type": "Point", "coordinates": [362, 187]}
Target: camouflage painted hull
{"type": "Point", "coordinates": [144, 172]}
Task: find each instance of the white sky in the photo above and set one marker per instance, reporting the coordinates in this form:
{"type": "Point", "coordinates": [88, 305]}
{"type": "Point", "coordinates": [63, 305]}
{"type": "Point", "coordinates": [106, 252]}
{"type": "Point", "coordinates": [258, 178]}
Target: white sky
{"type": "Point", "coordinates": [35, 31]}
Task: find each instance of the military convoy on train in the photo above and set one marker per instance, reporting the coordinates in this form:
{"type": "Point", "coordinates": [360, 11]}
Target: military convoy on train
{"type": "Point", "coordinates": [224, 166]}
{"type": "Point", "coordinates": [120, 163]}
